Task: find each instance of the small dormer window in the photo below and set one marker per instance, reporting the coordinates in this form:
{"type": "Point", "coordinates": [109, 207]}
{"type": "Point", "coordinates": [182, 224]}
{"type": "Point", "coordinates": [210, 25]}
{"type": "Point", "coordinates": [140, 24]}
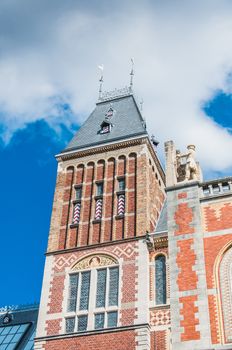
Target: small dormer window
{"type": "Point", "coordinates": [105, 128]}
{"type": "Point", "coordinates": [106, 125]}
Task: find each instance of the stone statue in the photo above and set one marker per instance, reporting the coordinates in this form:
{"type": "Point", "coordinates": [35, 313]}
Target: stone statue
{"type": "Point", "coordinates": [191, 165]}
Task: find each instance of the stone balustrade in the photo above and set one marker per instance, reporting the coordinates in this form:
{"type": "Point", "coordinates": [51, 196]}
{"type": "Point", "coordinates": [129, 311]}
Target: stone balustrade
{"type": "Point", "coordinates": [216, 188]}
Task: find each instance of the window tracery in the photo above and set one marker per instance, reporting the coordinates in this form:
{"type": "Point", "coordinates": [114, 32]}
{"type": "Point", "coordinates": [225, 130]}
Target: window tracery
{"type": "Point", "coordinates": [93, 294]}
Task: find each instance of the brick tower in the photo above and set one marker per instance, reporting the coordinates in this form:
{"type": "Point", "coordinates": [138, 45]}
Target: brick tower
{"type": "Point", "coordinates": [109, 192]}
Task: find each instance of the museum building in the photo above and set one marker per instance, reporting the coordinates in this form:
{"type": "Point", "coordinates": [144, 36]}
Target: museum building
{"type": "Point", "coordinates": [138, 257]}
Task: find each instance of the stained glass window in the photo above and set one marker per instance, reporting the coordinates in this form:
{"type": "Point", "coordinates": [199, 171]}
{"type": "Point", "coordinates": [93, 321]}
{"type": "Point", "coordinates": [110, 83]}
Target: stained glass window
{"type": "Point", "coordinates": [99, 309]}
{"type": "Point", "coordinates": [101, 288]}
{"type": "Point", "coordinates": [85, 284]}
{"type": "Point", "coordinates": [113, 286]}
{"type": "Point", "coordinates": [73, 286]}
{"type": "Point", "coordinates": [82, 323]}
{"type": "Point", "coordinates": [70, 324]}
{"type": "Point", "coordinates": [99, 320]}
{"type": "Point", "coordinates": [160, 279]}
{"type": "Point", "coordinates": [112, 319]}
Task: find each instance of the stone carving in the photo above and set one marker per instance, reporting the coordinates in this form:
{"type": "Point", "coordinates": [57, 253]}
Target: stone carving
{"type": "Point", "coordinates": [191, 165]}
{"type": "Point", "coordinates": [181, 166]}
{"type": "Point", "coordinates": [94, 261]}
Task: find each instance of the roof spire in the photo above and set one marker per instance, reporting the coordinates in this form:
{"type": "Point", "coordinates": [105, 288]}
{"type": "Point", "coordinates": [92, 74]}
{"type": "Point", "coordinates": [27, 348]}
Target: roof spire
{"type": "Point", "coordinates": [101, 67]}
{"type": "Point", "coordinates": [132, 73]}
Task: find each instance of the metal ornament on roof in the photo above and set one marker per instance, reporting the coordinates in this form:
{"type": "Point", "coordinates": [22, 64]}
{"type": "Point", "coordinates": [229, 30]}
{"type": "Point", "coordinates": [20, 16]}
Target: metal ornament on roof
{"type": "Point", "coordinates": [154, 141]}
{"type": "Point", "coordinates": [132, 73]}
{"type": "Point", "coordinates": [110, 95]}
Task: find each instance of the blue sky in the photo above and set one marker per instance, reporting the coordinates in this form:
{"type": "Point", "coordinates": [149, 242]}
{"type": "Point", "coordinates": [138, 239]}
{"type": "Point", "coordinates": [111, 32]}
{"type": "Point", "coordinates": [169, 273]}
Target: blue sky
{"type": "Point", "coordinates": [28, 182]}
{"type": "Point", "coordinates": [50, 51]}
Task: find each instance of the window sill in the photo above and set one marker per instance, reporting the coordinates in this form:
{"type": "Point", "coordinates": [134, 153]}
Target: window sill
{"type": "Point", "coordinates": [119, 217]}
{"type": "Point", "coordinates": [74, 225]}
{"type": "Point", "coordinates": [76, 201]}
{"type": "Point", "coordinates": [120, 192]}
{"type": "Point", "coordinates": [96, 221]}
{"type": "Point", "coordinates": [100, 196]}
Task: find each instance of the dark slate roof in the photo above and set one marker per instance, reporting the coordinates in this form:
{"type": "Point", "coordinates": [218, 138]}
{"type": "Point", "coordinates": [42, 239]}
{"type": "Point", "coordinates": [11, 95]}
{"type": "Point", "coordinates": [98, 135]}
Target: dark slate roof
{"type": "Point", "coordinates": [162, 221]}
{"type": "Point", "coordinates": [127, 122]}
{"type": "Point", "coordinates": [17, 327]}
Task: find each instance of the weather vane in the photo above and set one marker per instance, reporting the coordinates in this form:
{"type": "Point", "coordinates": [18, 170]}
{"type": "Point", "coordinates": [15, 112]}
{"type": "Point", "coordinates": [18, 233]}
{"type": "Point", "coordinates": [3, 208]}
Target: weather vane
{"type": "Point", "coordinates": [132, 73]}
{"type": "Point", "coordinates": [101, 67]}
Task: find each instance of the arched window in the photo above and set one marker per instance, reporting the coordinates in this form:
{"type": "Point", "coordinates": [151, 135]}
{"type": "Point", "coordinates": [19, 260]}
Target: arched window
{"type": "Point", "coordinates": [160, 280]}
{"type": "Point", "coordinates": [93, 294]}
{"type": "Point", "coordinates": [225, 279]}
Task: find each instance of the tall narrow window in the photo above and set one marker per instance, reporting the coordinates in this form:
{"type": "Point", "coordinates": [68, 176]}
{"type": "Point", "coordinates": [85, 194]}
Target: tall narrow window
{"type": "Point", "coordinates": [101, 288]}
{"type": "Point", "coordinates": [78, 193]}
{"type": "Point", "coordinates": [99, 201]}
{"type": "Point", "coordinates": [99, 309]}
{"type": "Point", "coordinates": [77, 206]}
{"type": "Point", "coordinates": [73, 286]}
{"type": "Point", "coordinates": [99, 189]}
{"type": "Point", "coordinates": [85, 286]}
{"type": "Point", "coordinates": [121, 184]}
{"type": "Point", "coordinates": [160, 279]}
{"type": "Point", "coordinates": [113, 286]}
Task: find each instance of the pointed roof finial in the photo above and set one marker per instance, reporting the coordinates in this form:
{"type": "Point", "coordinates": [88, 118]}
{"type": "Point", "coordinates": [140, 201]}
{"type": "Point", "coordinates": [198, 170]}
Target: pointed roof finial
{"type": "Point", "coordinates": [101, 67]}
{"type": "Point", "coordinates": [132, 73]}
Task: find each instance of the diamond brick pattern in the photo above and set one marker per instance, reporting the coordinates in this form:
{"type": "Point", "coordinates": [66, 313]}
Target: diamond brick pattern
{"type": "Point", "coordinates": [160, 317]}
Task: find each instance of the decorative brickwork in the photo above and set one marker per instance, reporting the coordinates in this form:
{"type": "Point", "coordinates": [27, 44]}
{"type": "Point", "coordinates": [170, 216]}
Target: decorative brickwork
{"type": "Point", "coordinates": [218, 217]}
{"type": "Point", "coordinates": [160, 340]}
{"type": "Point", "coordinates": [190, 320]}
{"type": "Point", "coordinates": [214, 321]}
{"type": "Point", "coordinates": [81, 260]}
{"type": "Point", "coordinates": [187, 278]}
{"type": "Point", "coordinates": [183, 218]}
{"type": "Point", "coordinates": [53, 326]}
{"type": "Point", "coordinates": [160, 316]}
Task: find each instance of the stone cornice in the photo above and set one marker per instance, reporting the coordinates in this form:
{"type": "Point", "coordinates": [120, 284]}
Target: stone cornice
{"type": "Point", "coordinates": [94, 332]}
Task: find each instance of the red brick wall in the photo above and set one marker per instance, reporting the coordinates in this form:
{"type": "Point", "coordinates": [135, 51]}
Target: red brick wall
{"type": "Point", "coordinates": [183, 218]}
{"type": "Point", "coordinates": [159, 341]}
{"type": "Point", "coordinates": [190, 320]}
{"type": "Point", "coordinates": [109, 341]}
{"type": "Point", "coordinates": [219, 219]}
{"type": "Point", "coordinates": [144, 197]}
{"type": "Point", "coordinates": [187, 277]}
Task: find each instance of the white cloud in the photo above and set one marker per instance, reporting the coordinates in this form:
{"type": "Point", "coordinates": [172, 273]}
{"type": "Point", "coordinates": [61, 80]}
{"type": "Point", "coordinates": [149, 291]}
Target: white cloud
{"type": "Point", "coordinates": [182, 52]}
